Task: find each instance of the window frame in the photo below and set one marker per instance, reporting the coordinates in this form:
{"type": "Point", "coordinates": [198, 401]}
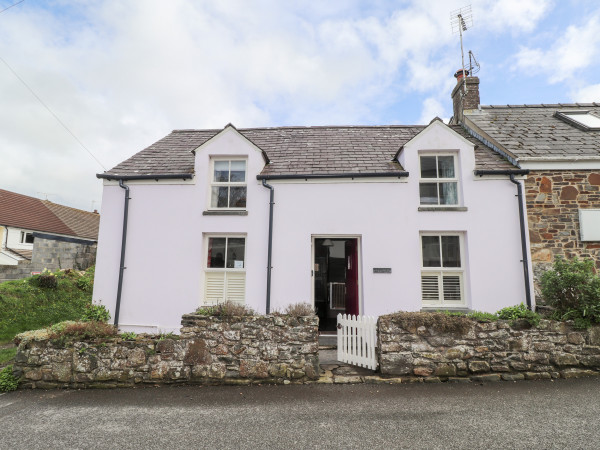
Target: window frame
{"type": "Point", "coordinates": [566, 116]}
{"type": "Point", "coordinates": [438, 180]}
{"type": "Point", "coordinates": [228, 184]}
{"type": "Point", "coordinates": [23, 238]}
{"type": "Point", "coordinates": [442, 271]}
{"type": "Point", "coordinates": [224, 270]}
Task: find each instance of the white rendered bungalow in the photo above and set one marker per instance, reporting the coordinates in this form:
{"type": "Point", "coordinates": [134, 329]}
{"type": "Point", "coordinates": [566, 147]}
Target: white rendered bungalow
{"type": "Point", "coordinates": [365, 220]}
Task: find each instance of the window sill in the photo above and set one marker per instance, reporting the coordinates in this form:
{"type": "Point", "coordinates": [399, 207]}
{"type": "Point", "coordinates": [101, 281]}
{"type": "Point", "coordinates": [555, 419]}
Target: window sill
{"type": "Point", "coordinates": [224, 213]}
{"type": "Point", "coordinates": [443, 208]}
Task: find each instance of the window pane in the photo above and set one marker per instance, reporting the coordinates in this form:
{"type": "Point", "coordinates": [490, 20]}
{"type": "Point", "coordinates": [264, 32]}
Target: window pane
{"type": "Point", "coordinates": [222, 171]}
{"type": "Point", "coordinates": [237, 197]}
{"type": "Point", "coordinates": [448, 194]}
{"type": "Point", "coordinates": [451, 251]}
{"type": "Point", "coordinates": [235, 253]}
{"type": "Point", "coordinates": [238, 171]}
{"type": "Point", "coordinates": [431, 251]}
{"type": "Point", "coordinates": [446, 166]}
{"type": "Point", "coordinates": [216, 253]}
{"type": "Point", "coordinates": [219, 197]}
{"type": "Point", "coordinates": [428, 167]}
{"type": "Point", "coordinates": [428, 193]}
{"type": "Point", "coordinates": [29, 238]}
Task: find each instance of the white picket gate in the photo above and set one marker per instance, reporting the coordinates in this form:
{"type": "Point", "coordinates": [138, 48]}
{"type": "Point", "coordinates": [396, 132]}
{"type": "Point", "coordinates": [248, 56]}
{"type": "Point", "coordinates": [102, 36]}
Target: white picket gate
{"type": "Point", "coordinates": [357, 338]}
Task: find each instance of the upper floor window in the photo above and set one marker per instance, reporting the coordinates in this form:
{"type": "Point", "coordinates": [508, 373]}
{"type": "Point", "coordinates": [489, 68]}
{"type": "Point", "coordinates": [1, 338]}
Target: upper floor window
{"type": "Point", "coordinates": [26, 238]}
{"type": "Point", "coordinates": [438, 184]}
{"type": "Point", "coordinates": [228, 186]}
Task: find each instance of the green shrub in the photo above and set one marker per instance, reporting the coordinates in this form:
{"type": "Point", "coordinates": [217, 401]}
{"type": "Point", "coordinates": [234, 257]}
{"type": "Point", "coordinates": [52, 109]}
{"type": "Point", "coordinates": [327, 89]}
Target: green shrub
{"type": "Point", "coordinates": [85, 283]}
{"type": "Point", "coordinates": [7, 380]}
{"type": "Point", "coordinates": [95, 313]}
{"type": "Point", "coordinates": [519, 312]}
{"type": "Point", "coordinates": [573, 289]}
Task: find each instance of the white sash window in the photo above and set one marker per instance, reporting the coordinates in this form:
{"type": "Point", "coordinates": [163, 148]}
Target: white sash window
{"type": "Point", "coordinates": [225, 273]}
{"type": "Point", "coordinates": [442, 271]}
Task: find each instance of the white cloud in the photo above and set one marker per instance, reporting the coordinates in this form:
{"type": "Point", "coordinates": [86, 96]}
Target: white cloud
{"type": "Point", "coordinates": [587, 94]}
{"type": "Point", "coordinates": [576, 49]}
{"type": "Point", "coordinates": [513, 15]}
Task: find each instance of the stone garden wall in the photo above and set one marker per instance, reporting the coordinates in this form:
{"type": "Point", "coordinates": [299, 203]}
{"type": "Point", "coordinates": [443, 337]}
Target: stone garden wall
{"type": "Point", "coordinates": [488, 351]}
{"type": "Point", "coordinates": [210, 350]}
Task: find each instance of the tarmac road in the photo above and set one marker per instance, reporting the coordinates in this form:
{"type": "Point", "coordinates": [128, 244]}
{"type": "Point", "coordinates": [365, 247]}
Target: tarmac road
{"type": "Point", "coordinates": [525, 414]}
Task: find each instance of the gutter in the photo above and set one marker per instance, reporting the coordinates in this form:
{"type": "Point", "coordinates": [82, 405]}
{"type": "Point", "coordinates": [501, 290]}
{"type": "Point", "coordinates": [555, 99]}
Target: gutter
{"type": "Point", "coordinates": [352, 175]}
{"type": "Point", "coordinates": [270, 245]}
{"type": "Point", "coordinates": [525, 261]}
{"type": "Point", "coordinates": [123, 245]}
{"type": "Point", "coordinates": [177, 176]}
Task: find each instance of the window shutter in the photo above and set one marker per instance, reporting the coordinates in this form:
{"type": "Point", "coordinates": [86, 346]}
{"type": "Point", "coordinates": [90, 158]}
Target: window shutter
{"type": "Point", "coordinates": [452, 290]}
{"type": "Point", "coordinates": [430, 288]}
{"type": "Point", "coordinates": [214, 289]}
{"type": "Point", "coordinates": [236, 287]}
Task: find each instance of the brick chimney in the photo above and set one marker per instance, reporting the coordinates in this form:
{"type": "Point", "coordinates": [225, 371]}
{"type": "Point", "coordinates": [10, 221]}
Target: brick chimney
{"type": "Point", "coordinates": [462, 101]}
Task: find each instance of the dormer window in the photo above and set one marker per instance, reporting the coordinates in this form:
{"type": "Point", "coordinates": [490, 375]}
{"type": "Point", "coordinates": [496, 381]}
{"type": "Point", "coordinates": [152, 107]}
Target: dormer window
{"type": "Point", "coordinates": [228, 184]}
{"type": "Point", "coordinates": [438, 184]}
{"type": "Point", "coordinates": [586, 120]}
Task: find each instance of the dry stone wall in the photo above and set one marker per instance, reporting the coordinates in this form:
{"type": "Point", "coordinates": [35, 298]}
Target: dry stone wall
{"type": "Point", "coordinates": [488, 351]}
{"type": "Point", "coordinates": [210, 350]}
{"type": "Point", "coordinates": [553, 202]}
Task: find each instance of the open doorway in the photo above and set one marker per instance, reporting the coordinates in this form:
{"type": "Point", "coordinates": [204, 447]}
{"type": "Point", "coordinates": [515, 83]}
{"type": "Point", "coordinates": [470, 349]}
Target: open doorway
{"type": "Point", "coordinates": [336, 275]}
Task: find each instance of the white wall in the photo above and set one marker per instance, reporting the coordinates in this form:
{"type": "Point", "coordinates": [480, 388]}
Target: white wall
{"type": "Point", "coordinates": [165, 247]}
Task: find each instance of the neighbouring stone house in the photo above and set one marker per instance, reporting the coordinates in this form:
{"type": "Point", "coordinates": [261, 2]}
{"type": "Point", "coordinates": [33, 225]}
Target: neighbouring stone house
{"type": "Point", "coordinates": [38, 234]}
{"type": "Point", "coordinates": [560, 146]}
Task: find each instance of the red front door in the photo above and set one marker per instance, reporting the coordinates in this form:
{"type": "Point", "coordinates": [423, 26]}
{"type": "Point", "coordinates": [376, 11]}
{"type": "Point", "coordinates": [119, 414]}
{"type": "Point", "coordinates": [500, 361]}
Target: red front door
{"type": "Point", "coordinates": [352, 276]}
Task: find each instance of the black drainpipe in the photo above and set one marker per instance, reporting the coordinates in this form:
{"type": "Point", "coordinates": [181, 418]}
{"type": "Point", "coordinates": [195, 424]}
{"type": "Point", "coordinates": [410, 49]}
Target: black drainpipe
{"type": "Point", "coordinates": [523, 240]}
{"type": "Point", "coordinates": [123, 244]}
{"type": "Point", "coordinates": [511, 173]}
{"type": "Point", "coordinates": [270, 248]}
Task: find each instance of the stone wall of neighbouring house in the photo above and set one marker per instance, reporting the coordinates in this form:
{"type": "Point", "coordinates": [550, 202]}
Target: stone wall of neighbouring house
{"type": "Point", "coordinates": [52, 254]}
{"type": "Point", "coordinates": [210, 350]}
{"type": "Point", "coordinates": [488, 351]}
{"type": "Point", "coordinates": [553, 202]}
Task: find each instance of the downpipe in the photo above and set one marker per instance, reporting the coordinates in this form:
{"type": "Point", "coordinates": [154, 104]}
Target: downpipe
{"type": "Point", "coordinates": [123, 245]}
{"type": "Point", "coordinates": [523, 241]}
{"type": "Point", "coordinates": [270, 245]}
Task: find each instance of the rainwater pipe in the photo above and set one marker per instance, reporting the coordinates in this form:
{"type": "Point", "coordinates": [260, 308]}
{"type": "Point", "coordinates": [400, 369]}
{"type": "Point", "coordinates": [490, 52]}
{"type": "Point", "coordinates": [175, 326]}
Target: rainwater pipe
{"type": "Point", "coordinates": [123, 244]}
{"type": "Point", "coordinates": [525, 260]}
{"type": "Point", "coordinates": [270, 246]}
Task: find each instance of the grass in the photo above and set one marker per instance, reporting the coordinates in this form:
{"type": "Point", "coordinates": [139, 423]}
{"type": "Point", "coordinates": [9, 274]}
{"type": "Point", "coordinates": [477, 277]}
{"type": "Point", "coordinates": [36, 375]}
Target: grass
{"type": "Point", "coordinates": [6, 354]}
{"type": "Point", "coordinates": [33, 303]}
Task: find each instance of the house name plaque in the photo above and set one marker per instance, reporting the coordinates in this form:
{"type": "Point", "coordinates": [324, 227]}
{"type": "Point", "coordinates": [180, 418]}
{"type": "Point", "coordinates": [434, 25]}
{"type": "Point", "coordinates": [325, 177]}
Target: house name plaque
{"type": "Point", "coordinates": [382, 270]}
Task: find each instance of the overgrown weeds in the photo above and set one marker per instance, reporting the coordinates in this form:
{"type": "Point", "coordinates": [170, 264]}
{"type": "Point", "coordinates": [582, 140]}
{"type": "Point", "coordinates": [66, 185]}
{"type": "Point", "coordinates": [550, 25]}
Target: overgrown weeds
{"type": "Point", "coordinates": [82, 331]}
{"type": "Point", "coordinates": [27, 305]}
{"type": "Point", "coordinates": [519, 313]}
{"type": "Point", "coordinates": [297, 310]}
{"type": "Point", "coordinates": [441, 322]}
{"type": "Point", "coordinates": [226, 310]}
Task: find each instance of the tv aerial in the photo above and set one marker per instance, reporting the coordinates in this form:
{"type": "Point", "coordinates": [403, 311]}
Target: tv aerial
{"type": "Point", "coordinates": [461, 20]}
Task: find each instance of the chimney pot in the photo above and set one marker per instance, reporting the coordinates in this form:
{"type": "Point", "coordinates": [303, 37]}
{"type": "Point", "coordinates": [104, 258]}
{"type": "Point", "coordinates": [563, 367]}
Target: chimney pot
{"type": "Point", "coordinates": [460, 74]}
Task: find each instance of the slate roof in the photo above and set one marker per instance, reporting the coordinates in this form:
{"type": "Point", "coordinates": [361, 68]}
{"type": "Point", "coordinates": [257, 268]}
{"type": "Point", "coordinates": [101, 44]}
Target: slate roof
{"type": "Point", "coordinates": [30, 213]}
{"type": "Point", "coordinates": [323, 150]}
{"type": "Point", "coordinates": [85, 224]}
{"type": "Point", "coordinates": [533, 132]}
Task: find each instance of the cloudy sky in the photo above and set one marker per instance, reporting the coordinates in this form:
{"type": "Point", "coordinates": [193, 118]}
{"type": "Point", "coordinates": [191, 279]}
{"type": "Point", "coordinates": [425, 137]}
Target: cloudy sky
{"type": "Point", "coordinates": [122, 74]}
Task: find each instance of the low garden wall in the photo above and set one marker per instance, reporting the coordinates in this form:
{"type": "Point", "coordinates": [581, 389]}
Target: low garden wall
{"type": "Point", "coordinates": [452, 348]}
{"type": "Point", "coordinates": [210, 350]}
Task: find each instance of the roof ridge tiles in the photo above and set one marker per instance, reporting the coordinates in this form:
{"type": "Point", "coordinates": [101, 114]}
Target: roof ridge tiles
{"type": "Point", "coordinates": [543, 105]}
{"type": "Point", "coordinates": [300, 127]}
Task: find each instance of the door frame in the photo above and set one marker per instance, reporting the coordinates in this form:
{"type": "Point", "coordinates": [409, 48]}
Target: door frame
{"type": "Point", "coordinates": [358, 238]}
